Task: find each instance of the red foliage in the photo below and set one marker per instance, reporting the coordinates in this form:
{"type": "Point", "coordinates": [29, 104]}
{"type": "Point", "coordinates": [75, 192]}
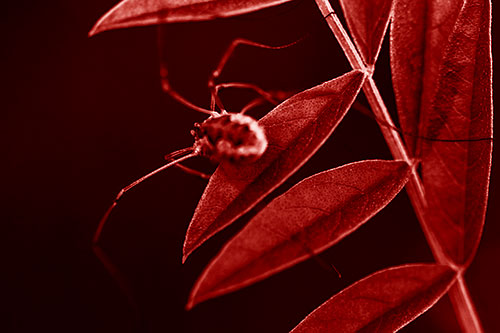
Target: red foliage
{"type": "Point", "coordinates": [382, 302]}
{"type": "Point", "coordinates": [133, 13]}
{"type": "Point", "coordinates": [441, 70]}
{"type": "Point", "coordinates": [295, 130]}
{"type": "Point", "coordinates": [368, 21]}
{"type": "Point", "coordinates": [449, 102]}
{"type": "Point", "coordinates": [313, 215]}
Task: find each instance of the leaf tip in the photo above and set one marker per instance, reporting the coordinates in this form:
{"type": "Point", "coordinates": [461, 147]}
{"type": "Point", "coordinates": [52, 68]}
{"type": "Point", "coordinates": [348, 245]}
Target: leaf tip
{"type": "Point", "coordinates": [184, 258]}
{"type": "Point", "coordinates": [190, 304]}
{"type": "Point", "coordinates": [193, 241]}
{"type": "Point", "coordinates": [187, 250]}
{"type": "Point", "coordinates": [194, 298]}
{"type": "Point", "coordinates": [94, 31]}
{"type": "Point", "coordinates": [106, 22]}
{"type": "Point", "coordinates": [99, 26]}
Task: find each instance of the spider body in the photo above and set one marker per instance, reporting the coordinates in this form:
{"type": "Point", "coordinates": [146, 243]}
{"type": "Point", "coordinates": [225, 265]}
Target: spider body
{"type": "Point", "coordinates": [232, 137]}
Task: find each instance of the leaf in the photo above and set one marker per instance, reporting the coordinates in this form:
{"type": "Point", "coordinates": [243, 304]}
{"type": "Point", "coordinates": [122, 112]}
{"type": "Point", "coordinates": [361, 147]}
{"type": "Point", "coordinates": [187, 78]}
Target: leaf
{"type": "Point", "coordinates": [419, 32]}
{"type": "Point", "coordinates": [367, 21]}
{"type": "Point", "coordinates": [295, 130]}
{"type": "Point", "coordinates": [456, 174]}
{"type": "Point", "coordinates": [312, 216]}
{"type": "Point", "coordinates": [133, 13]}
{"type": "Point", "coordinates": [385, 301]}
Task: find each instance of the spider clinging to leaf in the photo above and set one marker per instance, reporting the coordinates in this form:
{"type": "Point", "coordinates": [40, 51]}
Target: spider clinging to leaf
{"type": "Point", "coordinates": [223, 136]}
{"type": "Point", "coordinates": [228, 137]}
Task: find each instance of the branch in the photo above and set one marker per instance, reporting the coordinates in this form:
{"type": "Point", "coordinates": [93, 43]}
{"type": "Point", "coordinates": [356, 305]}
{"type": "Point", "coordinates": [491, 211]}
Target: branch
{"type": "Point", "coordinates": [462, 302]}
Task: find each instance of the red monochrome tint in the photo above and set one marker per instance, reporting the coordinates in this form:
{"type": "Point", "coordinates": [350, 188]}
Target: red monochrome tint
{"type": "Point", "coordinates": [438, 69]}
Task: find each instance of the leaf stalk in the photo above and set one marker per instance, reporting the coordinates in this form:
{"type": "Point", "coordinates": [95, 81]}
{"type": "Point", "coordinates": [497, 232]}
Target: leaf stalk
{"type": "Point", "coordinates": [459, 295]}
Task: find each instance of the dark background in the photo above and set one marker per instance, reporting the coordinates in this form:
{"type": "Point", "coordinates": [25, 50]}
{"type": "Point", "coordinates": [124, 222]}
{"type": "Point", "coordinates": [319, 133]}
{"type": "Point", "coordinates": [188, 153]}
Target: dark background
{"type": "Point", "coordinates": [84, 117]}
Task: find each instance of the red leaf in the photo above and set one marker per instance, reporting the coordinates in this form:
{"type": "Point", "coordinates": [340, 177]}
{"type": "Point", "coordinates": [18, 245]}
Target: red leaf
{"type": "Point", "coordinates": [312, 216]}
{"type": "Point", "coordinates": [419, 32]}
{"type": "Point", "coordinates": [367, 21]}
{"type": "Point", "coordinates": [451, 99]}
{"type": "Point", "coordinates": [295, 130]}
{"type": "Point", "coordinates": [456, 174]}
{"type": "Point", "coordinates": [385, 301]}
{"type": "Point", "coordinates": [133, 13]}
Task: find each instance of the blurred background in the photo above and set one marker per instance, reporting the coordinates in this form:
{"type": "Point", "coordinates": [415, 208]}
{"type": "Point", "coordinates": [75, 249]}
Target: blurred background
{"type": "Point", "coordinates": [83, 118]}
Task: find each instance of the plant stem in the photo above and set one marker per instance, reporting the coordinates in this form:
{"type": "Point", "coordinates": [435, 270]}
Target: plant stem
{"type": "Point", "coordinates": [464, 306]}
{"type": "Point", "coordinates": [460, 297]}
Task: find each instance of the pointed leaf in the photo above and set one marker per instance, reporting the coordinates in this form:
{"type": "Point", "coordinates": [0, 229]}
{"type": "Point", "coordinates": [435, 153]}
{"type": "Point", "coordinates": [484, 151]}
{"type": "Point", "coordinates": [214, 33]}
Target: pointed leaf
{"type": "Point", "coordinates": [456, 174]}
{"type": "Point", "coordinates": [367, 21]}
{"type": "Point", "coordinates": [295, 130]}
{"type": "Point", "coordinates": [312, 216]}
{"type": "Point", "coordinates": [133, 13]}
{"type": "Point", "coordinates": [385, 301]}
{"type": "Point", "coordinates": [419, 34]}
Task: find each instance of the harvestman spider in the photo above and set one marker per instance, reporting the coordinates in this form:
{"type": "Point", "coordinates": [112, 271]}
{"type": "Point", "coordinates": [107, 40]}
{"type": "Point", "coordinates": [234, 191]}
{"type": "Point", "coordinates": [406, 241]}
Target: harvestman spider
{"type": "Point", "coordinates": [233, 137]}
{"type": "Point", "coordinates": [223, 136]}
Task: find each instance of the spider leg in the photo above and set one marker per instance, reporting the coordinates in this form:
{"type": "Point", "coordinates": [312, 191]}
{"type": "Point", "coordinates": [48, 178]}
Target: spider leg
{"type": "Point", "coordinates": [273, 97]}
{"type": "Point", "coordinates": [171, 157]}
{"type": "Point", "coordinates": [242, 85]}
{"type": "Point", "coordinates": [127, 188]}
{"type": "Point", "coordinates": [165, 83]}
{"type": "Point", "coordinates": [123, 284]}
{"type": "Point", "coordinates": [214, 88]}
{"type": "Point", "coordinates": [256, 102]}
{"type": "Point", "coordinates": [241, 41]}
{"type": "Point", "coordinates": [112, 269]}
{"type": "Point", "coordinates": [193, 171]}
{"type": "Point", "coordinates": [189, 170]}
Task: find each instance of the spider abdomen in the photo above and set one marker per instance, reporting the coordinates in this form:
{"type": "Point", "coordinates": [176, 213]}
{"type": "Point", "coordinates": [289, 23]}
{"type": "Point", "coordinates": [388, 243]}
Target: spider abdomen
{"type": "Point", "coordinates": [230, 136]}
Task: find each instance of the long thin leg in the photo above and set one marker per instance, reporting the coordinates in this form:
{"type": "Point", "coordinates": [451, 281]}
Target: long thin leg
{"type": "Point", "coordinates": [225, 58]}
{"type": "Point", "coordinates": [112, 269]}
{"type": "Point", "coordinates": [124, 190]}
{"type": "Point", "coordinates": [193, 171]}
{"type": "Point", "coordinates": [242, 85]}
{"type": "Point", "coordinates": [273, 97]}
{"type": "Point", "coordinates": [123, 284]}
{"type": "Point", "coordinates": [256, 102]}
{"type": "Point", "coordinates": [165, 84]}
{"type": "Point", "coordinates": [171, 157]}
{"type": "Point", "coordinates": [241, 41]}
